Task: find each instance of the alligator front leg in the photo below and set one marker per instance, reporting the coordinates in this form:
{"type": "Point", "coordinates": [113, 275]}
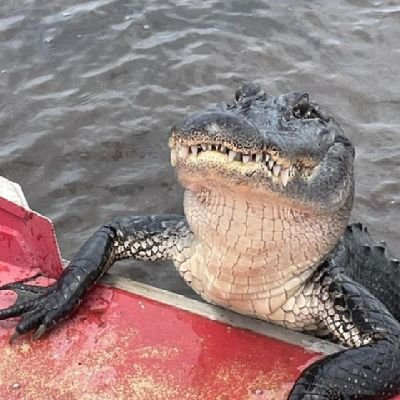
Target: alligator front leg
{"type": "Point", "coordinates": [370, 370]}
{"type": "Point", "coordinates": [142, 238]}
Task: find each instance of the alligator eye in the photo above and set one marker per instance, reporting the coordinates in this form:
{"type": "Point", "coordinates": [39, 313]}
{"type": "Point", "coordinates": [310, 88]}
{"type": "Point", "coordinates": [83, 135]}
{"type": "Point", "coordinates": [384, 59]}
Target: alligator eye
{"type": "Point", "coordinates": [247, 90]}
{"type": "Point", "coordinates": [302, 107]}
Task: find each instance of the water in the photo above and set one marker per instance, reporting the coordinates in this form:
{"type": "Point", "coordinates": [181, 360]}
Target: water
{"type": "Point", "coordinates": [90, 89]}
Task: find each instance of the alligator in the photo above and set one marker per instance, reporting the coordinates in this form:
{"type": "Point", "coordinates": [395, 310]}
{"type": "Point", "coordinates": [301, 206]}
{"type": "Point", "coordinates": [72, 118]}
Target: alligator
{"type": "Point", "coordinates": [268, 191]}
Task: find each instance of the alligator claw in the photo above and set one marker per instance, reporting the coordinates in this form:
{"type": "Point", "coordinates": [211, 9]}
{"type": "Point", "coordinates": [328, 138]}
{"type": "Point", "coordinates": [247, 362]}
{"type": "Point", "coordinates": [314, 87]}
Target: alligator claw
{"type": "Point", "coordinates": [39, 332]}
{"type": "Point", "coordinates": [31, 305]}
{"type": "Point", "coordinates": [13, 337]}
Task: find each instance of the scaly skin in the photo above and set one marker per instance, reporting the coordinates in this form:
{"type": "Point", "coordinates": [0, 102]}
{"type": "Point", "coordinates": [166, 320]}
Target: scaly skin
{"type": "Point", "coordinates": [268, 194]}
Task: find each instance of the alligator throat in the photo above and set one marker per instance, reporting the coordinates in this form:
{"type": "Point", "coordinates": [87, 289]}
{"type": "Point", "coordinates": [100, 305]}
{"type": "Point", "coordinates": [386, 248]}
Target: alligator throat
{"type": "Point", "coordinates": [249, 249]}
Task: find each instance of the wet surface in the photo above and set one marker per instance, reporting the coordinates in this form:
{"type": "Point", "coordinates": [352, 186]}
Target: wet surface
{"type": "Point", "coordinates": [110, 350]}
{"type": "Point", "coordinates": [89, 90]}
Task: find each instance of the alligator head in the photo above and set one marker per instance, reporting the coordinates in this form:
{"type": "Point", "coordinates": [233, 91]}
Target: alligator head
{"type": "Point", "coordinates": [283, 145]}
{"type": "Point", "coordinates": [265, 175]}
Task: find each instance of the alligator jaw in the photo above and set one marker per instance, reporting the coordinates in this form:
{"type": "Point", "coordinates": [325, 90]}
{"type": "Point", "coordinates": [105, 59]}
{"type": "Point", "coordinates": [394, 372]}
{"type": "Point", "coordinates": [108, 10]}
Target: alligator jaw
{"type": "Point", "coordinates": [267, 162]}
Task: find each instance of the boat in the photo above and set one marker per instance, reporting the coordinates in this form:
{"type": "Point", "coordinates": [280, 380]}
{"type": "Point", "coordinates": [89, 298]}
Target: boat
{"type": "Point", "coordinates": [132, 341]}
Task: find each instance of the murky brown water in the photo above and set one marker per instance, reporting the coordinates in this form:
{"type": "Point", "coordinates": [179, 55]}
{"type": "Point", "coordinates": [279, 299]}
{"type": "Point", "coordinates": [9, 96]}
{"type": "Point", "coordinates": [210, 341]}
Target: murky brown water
{"type": "Point", "coordinates": [90, 89]}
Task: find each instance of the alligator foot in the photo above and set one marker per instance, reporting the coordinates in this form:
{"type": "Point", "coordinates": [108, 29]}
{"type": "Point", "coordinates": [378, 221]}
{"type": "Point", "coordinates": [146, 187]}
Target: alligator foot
{"type": "Point", "coordinates": [41, 308]}
{"type": "Point", "coordinates": [29, 299]}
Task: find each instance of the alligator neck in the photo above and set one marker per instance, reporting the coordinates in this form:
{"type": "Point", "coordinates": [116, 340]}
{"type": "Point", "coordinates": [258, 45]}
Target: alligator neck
{"type": "Point", "coordinates": [259, 242]}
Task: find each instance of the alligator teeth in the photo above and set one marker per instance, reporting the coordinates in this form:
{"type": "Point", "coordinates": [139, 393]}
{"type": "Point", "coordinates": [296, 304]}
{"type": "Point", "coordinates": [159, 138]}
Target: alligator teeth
{"type": "Point", "coordinates": [194, 150]}
{"type": "Point", "coordinates": [232, 155]}
{"type": "Point", "coordinates": [276, 169]}
{"type": "Point", "coordinates": [285, 176]}
{"type": "Point", "coordinates": [271, 164]}
{"type": "Point", "coordinates": [184, 152]}
{"type": "Point", "coordinates": [173, 158]}
{"type": "Point", "coordinates": [285, 164]}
